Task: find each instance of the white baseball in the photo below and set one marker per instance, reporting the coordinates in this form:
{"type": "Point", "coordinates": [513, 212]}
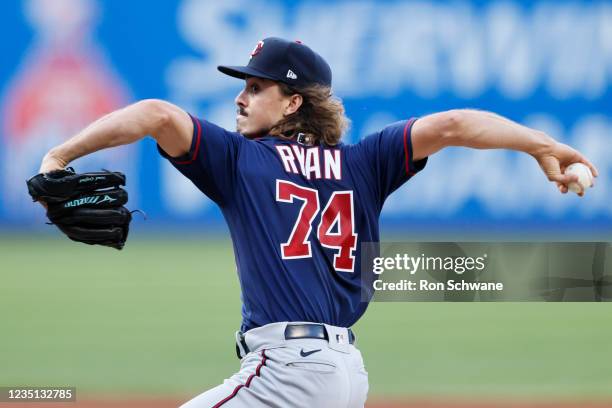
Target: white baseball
{"type": "Point", "coordinates": [585, 177]}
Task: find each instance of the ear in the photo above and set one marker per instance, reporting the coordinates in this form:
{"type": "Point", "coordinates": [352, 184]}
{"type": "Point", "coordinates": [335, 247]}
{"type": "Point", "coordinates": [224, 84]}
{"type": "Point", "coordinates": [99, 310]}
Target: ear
{"type": "Point", "coordinates": [294, 103]}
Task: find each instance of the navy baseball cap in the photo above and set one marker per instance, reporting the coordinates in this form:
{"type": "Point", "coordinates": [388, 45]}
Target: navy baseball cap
{"type": "Point", "coordinates": [290, 62]}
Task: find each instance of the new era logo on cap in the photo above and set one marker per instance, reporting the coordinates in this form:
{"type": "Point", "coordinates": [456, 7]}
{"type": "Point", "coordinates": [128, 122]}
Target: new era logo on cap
{"type": "Point", "coordinates": [279, 59]}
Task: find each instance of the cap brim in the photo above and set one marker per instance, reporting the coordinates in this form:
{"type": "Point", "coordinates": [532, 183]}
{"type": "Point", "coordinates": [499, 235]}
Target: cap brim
{"type": "Point", "coordinates": [243, 72]}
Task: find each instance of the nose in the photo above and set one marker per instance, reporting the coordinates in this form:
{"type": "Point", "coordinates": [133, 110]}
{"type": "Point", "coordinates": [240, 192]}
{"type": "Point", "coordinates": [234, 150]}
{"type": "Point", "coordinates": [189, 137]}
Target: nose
{"type": "Point", "coordinates": [241, 99]}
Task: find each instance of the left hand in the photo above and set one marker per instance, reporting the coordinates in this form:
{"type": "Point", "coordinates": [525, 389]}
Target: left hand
{"type": "Point", "coordinates": [555, 160]}
{"type": "Point", "coordinates": [87, 207]}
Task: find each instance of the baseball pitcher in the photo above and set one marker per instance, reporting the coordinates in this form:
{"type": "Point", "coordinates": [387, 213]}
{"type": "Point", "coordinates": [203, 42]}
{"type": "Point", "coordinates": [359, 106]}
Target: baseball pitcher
{"type": "Point", "coordinates": [298, 203]}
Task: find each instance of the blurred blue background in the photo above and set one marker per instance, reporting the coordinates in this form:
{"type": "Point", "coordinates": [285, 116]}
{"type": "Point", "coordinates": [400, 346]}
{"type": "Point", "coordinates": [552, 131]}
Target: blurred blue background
{"type": "Point", "coordinates": [544, 64]}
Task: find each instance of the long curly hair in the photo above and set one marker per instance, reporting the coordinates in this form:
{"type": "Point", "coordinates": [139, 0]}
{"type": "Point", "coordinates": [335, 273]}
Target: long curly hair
{"type": "Point", "coordinates": [320, 118]}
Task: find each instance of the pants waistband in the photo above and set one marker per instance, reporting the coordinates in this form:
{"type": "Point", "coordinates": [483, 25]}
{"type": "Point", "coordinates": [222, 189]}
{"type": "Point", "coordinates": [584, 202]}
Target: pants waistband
{"type": "Point", "coordinates": [275, 334]}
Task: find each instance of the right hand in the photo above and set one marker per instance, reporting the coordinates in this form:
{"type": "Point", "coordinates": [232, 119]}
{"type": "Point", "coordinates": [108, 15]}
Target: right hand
{"type": "Point", "coordinates": [555, 161]}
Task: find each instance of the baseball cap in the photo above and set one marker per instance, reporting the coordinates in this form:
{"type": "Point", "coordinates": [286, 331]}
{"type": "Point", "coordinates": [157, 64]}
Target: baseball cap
{"type": "Point", "coordinates": [290, 62]}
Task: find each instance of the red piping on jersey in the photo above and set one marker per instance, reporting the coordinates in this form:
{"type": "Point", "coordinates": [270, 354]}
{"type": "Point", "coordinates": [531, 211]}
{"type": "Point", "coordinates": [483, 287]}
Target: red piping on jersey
{"type": "Point", "coordinates": [406, 149]}
{"type": "Point", "coordinates": [247, 383]}
{"type": "Point", "coordinates": [197, 145]}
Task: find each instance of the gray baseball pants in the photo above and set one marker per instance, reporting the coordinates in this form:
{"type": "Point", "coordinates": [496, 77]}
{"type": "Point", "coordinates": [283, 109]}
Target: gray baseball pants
{"type": "Point", "coordinates": [292, 373]}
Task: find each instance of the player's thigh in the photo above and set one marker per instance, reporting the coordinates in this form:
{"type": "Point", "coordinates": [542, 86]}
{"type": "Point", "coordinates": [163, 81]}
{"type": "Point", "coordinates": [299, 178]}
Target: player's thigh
{"type": "Point", "coordinates": [286, 379]}
{"type": "Point", "coordinates": [228, 396]}
{"type": "Point", "coordinates": [316, 380]}
{"type": "Point", "coordinates": [359, 380]}
{"type": "Point", "coordinates": [210, 398]}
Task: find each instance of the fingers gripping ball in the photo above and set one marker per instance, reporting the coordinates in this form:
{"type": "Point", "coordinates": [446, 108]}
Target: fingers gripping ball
{"type": "Point", "coordinates": [87, 207]}
{"type": "Point", "coordinates": [585, 177]}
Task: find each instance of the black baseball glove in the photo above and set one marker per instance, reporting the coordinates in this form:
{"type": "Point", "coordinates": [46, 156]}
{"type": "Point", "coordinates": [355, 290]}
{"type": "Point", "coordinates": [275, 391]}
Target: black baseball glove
{"type": "Point", "coordinates": [87, 207]}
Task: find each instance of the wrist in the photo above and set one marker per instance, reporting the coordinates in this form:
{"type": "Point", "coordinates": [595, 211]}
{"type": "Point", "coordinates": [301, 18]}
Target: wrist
{"type": "Point", "coordinates": [542, 144]}
{"type": "Point", "coordinates": [52, 161]}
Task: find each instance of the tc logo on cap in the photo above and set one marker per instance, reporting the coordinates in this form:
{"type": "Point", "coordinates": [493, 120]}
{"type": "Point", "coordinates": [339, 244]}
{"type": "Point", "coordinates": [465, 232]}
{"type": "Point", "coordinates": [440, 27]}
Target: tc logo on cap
{"type": "Point", "coordinates": [257, 49]}
{"type": "Point", "coordinates": [283, 61]}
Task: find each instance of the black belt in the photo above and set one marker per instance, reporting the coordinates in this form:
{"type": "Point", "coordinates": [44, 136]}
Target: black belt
{"type": "Point", "coordinates": [311, 331]}
{"type": "Point", "coordinates": [300, 331]}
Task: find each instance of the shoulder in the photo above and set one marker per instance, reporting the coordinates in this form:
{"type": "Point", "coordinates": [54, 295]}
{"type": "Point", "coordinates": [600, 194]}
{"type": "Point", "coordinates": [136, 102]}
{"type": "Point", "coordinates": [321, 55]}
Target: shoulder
{"type": "Point", "coordinates": [210, 132]}
{"type": "Point", "coordinates": [389, 136]}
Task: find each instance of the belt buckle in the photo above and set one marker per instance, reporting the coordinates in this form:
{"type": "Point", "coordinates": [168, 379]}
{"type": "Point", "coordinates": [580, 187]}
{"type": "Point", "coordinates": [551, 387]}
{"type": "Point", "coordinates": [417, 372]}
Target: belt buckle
{"type": "Point", "coordinates": [305, 331]}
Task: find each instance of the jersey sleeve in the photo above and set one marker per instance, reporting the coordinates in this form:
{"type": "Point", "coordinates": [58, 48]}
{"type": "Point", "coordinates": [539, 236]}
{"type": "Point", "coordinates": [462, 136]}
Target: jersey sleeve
{"type": "Point", "coordinates": [211, 161]}
{"type": "Point", "coordinates": [389, 156]}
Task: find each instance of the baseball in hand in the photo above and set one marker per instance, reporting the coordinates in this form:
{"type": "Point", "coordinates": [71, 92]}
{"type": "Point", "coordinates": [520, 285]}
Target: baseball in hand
{"type": "Point", "coordinates": [585, 177]}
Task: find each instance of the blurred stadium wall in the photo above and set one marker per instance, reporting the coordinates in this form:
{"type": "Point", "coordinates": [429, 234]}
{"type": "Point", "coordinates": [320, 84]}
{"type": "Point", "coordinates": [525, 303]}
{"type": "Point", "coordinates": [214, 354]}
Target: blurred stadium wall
{"type": "Point", "coordinates": [545, 64]}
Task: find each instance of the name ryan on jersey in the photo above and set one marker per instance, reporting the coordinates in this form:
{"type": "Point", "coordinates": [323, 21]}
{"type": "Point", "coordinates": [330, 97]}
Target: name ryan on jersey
{"type": "Point", "coordinates": [309, 163]}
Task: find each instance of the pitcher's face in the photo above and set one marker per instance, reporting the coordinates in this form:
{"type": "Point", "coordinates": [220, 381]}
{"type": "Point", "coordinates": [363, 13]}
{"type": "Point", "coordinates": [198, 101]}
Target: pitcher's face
{"type": "Point", "coordinates": [260, 106]}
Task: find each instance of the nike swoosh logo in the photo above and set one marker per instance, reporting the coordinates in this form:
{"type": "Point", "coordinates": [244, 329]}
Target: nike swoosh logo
{"type": "Point", "coordinates": [307, 353]}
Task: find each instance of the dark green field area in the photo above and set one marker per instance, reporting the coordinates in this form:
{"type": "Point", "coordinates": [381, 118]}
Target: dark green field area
{"type": "Point", "coordinates": [159, 317]}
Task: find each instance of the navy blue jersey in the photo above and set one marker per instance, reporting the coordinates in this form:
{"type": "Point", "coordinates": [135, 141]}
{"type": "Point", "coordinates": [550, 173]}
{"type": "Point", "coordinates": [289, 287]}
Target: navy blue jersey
{"type": "Point", "coordinates": [298, 214]}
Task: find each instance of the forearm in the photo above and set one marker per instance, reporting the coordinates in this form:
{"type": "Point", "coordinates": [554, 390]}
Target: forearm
{"type": "Point", "coordinates": [485, 130]}
{"type": "Point", "coordinates": [475, 129]}
{"type": "Point", "coordinates": [121, 127]}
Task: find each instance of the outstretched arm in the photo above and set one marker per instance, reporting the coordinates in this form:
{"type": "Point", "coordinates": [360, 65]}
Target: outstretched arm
{"type": "Point", "coordinates": [485, 130]}
{"type": "Point", "coordinates": [169, 125]}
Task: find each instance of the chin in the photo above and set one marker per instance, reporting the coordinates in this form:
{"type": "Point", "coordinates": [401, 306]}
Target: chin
{"type": "Point", "coordinates": [244, 132]}
{"type": "Point", "coordinates": [251, 134]}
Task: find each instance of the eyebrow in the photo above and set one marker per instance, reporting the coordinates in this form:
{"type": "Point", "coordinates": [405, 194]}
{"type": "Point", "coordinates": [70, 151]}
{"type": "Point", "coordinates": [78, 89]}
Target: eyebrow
{"type": "Point", "coordinates": [262, 81]}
